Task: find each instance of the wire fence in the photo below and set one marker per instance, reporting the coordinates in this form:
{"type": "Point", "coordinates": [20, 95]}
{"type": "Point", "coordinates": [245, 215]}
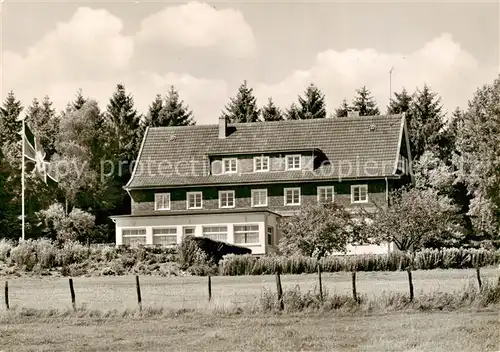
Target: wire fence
{"type": "Point", "coordinates": [127, 292]}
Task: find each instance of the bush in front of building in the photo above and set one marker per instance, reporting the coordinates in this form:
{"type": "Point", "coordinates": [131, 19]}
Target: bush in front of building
{"type": "Point", "coordinates": [449, 258]}
{"type": "Point", "coordinates": [201, 255]}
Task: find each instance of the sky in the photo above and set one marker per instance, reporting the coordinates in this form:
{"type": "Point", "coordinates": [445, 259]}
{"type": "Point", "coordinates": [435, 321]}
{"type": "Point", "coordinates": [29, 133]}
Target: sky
{"type": "Point", "coordinates": [206, 50]}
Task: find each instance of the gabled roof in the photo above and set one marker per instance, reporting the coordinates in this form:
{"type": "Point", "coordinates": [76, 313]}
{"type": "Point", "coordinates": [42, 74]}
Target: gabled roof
{"type": "Point", "coordinates": [179, 156]}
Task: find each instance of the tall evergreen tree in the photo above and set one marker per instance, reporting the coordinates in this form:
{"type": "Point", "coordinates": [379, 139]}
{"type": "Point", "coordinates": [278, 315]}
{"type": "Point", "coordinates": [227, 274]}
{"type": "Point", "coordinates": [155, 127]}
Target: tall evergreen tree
{"type": "Point", "coordinates": [10, 125]}
{"type": "Point", "coordinates": [426, 122]}
{"type": "Point", "coordinates": [271, 112]}
{"type": "Point", "coordinates": [124, 122]}
{"type": "Point", "coordinates": [44, 123]}
{"type": "Point", "coordinates": [401, 103]}
{"type": "Point", "coordinates": [293, 112]}
{"type": "Point", "coordinates": [154, 111]}
{"type": "Point", "coordinates": [79, 100]}
{"type": "Point", "coordinates": [243, 107]}
{"type": "Point", "coordinates": [312, 105]}
{"type": "Point", "coordinates": [171, 112]}
{"type": "Point", "coordinates": [343, 109]}
{"type": "Point", "coordinates": [364, 103]}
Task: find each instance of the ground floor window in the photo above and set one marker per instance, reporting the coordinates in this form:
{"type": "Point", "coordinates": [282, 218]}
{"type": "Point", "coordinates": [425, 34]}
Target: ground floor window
{"type": "Point", "coordinates": [189, 231]}
{"type": "Point", "coordinates": [216, 233]}
{"type": "Point", "coordinates": [246, 233]}
{"type": "Point", "coordinates": [165, 236]}
{"type": "Point", "coordinates": [270, 236]}
{"type": "Point", "coordinates": [134, 237]}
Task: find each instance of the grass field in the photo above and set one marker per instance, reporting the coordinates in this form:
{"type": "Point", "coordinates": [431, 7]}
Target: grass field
{"type": "Point", "coordinates": [191, 291]}
{"type": "Point", "coordinates": [442, 331]}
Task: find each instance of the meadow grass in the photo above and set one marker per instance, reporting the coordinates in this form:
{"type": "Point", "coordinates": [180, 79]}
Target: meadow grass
{"type": "Point", "coordinates": [192, 292]}
{"type": "Point", "coordinates": [196, 331]}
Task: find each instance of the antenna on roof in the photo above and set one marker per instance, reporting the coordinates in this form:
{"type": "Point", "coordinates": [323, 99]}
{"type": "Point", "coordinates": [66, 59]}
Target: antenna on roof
{"type": "Point", "coordinates": [390, 85]}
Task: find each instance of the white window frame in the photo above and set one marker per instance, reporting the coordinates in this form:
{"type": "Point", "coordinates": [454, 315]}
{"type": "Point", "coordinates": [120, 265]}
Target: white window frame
{"type": "Point", "coordinates": [270, 243]}
{"type": "Point", "coordinates": [224, 171]}
{"type": "Point", "coordinates": [236, 232]}
{"type": "Point", "coordinates": [162, 196]}
{"type": "Point", "coordinates": [215, 233]}
{"type": "Point", "coordinates": [195, 194]}
{"type": "Point", "coordinates": [220, 199]}
{"type": "Point", "coordinates": [165, 234]}
{"type": "Point", "coordinates": [252, 197]}
{"type": "Point", "coordinates": [134, 236]}
{"type": "Point", "coordinates": [285, 190]}
{"type": "Point", "coordinates": [184, 228]}
{"type": "Point", "coordinates": [290, 156]}
{"type": "Point", "coordinates": [365, 186]}
{"type": "Point", "coordinates": [261, 158]}
{"type": "Point", "coordinates": [321, 188]}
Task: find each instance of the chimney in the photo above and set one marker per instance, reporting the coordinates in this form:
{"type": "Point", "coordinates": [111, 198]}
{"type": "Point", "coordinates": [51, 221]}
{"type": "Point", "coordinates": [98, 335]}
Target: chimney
{"type": "Point", "coordinates": [352, 113]}
{"type": "Point", "coordinates": [222, 127]}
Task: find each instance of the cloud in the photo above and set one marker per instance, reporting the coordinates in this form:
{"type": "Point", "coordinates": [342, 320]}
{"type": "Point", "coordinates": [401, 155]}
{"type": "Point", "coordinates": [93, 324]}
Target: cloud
{"type": "Point", "coordinates": [441, 63]}
{"type": "Point", "coordinates": [90, 44]}
{"type": "Point", "coordinates": [199, 25]}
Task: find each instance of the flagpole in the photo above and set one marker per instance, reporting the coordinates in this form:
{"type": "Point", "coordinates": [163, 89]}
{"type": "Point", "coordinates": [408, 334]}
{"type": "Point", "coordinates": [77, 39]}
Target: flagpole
{"type": "Point", "coordinates": [22, 179]}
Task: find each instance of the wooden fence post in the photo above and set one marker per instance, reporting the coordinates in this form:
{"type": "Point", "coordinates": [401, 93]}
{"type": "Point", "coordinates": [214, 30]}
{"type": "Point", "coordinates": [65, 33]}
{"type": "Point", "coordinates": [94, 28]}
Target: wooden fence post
{"type": "Point", "coordinates": [320, 283]}
{"type": "Point", "coordinates": [72, 291]}
{"type": "Point", "coordinates": [279, 290]}
{"type": "Point", "coordinates": [354, 292]}
{"type": "Point", "coordinates": [478, 274]}
{"type": "Point", "coordinates": [138, 287]}
{"type": "Point", "coordinates": [7, 294]}
{"type": "Point", "coordinates": [410, 283]}
{"type": "Point", "coordinates": [209, 288]}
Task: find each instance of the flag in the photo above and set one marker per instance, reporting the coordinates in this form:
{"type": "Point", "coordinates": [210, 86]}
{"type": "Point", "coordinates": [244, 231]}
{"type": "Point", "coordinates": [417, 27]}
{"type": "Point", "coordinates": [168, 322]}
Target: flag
{"type": "Point", "coordinates": [34, 158]}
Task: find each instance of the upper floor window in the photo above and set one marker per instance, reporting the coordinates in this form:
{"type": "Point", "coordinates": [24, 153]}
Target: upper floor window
{"type": "Point", "coordinates": [260, 163]}
{"type": "Point", "coordinates": [162, 201]}
{"type": "Point", "coordinates": [259, 197]}
{"type": "Point", "coordinates": [293, 162]}
{"type": "Point", "coordinates": [229, 165]}
{"type": "Point", "coordinates": [325, 194]}
{"type": "Point", "coordinates": [292, 196]}
{"type": "Point", "coordinates": [226, 199]}
{"type": "Point", "coordinates": [194, 200]}
{"type": "Point", "coordinates": [359, 193]}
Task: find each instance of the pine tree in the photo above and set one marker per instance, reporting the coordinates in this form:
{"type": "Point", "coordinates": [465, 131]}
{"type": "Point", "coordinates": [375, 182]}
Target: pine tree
{"type": "Point", "coordinates": [243, 107]}
{"type": "Point", "coordinates": [10, 126]}
{"type": "Point", "coordinates": [293, 112]}
{"type": "Point", "coordinates": [343, 109]}
{"type": "Point", "coordinates": [426, 122]}
{"type": "Point", "coordinates": [271, 112]}
{"type": "Point", "coordinates": [173, 111]}
{"type": "Point", "coordinates": [79, 101]}
{"type": "Point", "coordinates": [401, 103]}
{"type": "Point", "coordinates": [124, 122]}
{"type": "Point", "coordinates": [154, 110]}
{"type": "Point", "coordinates": [312, 105]}
{"type": "Point", "coordinates": [44, 123]}
{"type": "Point", "coordinates": [364, 103]}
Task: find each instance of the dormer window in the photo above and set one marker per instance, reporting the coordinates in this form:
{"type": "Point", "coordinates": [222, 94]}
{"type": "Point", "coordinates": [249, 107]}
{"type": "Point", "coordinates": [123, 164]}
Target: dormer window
{"type": "Point", "coordinates": [293, 162]}
{"type": "Point", "coordinates": [229, 165]}
{"type": "Point", "coordinates": [162, 201]}
{"type": "Point", "coordinates": [261, 163]}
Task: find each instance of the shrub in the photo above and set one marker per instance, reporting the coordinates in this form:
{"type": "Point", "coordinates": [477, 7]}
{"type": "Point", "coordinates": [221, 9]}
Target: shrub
{"type": "Point", "coordinates": [72, 252]}
{"type": "Point", "coordinates": [5, 248]}
{"type": "Point", "coordinates": [200, 250]}
{"type": "Point", "coordinates": [25, 254]}
{"type": "Point", "coordinates": [426, 259]}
